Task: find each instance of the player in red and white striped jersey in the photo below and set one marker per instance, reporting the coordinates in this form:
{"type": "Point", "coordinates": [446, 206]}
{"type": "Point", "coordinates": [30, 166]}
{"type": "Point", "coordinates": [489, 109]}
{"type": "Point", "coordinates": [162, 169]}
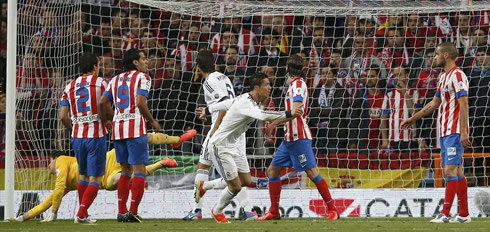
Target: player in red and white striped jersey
{"type": "Point", "coordinates": [452, 100]}
{"type": "Point", "coordinates": [296, 149]}
{"type": "Point", "coordinates": [88, 135]}
{"type": "Point", "coordinates": [398, 105]}
{"type": "Point", "coordinates": [129, 92]}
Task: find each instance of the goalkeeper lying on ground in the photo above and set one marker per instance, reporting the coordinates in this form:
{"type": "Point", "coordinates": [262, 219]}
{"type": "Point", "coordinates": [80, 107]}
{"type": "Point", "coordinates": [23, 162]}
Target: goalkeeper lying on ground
{"type": "Point", "coordinates": [65, 168]}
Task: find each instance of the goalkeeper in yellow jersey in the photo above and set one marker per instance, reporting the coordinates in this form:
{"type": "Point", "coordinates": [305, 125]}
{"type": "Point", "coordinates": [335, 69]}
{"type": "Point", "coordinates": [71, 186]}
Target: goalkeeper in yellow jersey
{"type": "Point", "coordinates": [65, 168]}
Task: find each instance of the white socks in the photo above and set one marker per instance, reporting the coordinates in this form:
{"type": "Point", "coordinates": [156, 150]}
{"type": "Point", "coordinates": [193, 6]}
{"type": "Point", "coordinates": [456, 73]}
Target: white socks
{"type": "Point", "coordinates": [201, 175]}
{"type": "Point", "coordinates": [243, 200]}
{"type": "Point", "coordinates": [224, 199]}
{"type": "Point", "coordinates": [214, 184]}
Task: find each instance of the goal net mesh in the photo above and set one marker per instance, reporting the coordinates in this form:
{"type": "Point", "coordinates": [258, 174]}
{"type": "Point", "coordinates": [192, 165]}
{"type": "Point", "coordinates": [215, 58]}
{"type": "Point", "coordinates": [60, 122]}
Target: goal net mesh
{"type": "Point", "coordinates": [368, 65]}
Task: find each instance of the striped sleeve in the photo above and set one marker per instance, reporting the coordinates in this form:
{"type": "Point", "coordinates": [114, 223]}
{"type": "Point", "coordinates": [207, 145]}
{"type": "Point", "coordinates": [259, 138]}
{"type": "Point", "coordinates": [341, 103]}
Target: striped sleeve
{"type": "Point", "coordinates": [64, 100]}
{"type": "Point", "coordinates": [145, 84]}
{"type": "Point", "coordinates": [460, 84]}
{"type": "Point", "coordinates": [299, 91]}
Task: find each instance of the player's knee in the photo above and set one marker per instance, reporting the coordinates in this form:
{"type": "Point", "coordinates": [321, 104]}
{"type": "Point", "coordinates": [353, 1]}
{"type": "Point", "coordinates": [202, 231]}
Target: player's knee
{"type": "Point", "coordinates": [272, 172]}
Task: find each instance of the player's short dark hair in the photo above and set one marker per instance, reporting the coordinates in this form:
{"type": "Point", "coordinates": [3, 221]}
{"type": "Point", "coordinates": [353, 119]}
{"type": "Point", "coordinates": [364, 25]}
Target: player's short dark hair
{"type": "Point", "coordinates": [130, 55]}
{"type": "Point", "coordinates": [450, 49]}
{"type": "Point", "coordinates": [205, 61]}
{"type": "Point", "coordinates": [256, 79]}
{"type": "Point", "coordinates": [56, 154]}
{"type": "Point", "coordinates": [87, 62]}
{"type": "Point", "coordinates": [295, 66]}
{"type": "Point", "coordinates": [374, 68]}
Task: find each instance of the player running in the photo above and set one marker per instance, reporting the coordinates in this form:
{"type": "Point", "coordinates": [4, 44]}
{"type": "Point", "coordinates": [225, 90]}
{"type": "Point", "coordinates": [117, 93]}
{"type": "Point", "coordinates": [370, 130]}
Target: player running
{"type": "Point", "coordinates": [66, 178]}
{"type": "Point", "coordinates": [452, 100]}
{"type": "Point", "coordinates": [217, 88]}
{"type": "Point", "coordinates": [129, 92]}
{"type": "Point", "coordinates": [295, 150]}
{"type": "Point", "coordinates": [80, 98]}
{"type": "Point", "coordinates": [232, 162]}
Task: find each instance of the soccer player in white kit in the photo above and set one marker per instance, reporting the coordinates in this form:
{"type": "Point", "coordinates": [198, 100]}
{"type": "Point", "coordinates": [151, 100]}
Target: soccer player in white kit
{"type": "Point", "coordinates": [230, 161]}
{"type": "Point", "coordinates": [217, 88]}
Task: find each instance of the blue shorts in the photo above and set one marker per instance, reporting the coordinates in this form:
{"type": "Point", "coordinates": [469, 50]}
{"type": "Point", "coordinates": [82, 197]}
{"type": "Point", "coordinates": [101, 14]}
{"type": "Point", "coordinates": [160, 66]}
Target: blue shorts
{"type": "Point", "coordinates": [452, 150]}
{"type": "Point", "coordinates": [132, 151]}
{"type": "Point", "coordinates": [297, 154]}
{"type": "Point", "coordinates": [91, 155]}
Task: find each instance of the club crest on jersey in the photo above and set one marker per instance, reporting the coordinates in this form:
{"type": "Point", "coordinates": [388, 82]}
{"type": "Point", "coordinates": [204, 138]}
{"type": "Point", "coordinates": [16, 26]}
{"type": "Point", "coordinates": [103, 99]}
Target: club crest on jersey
{"type": "Point", "coordinates": [461, 84]}
{"type": "Point", "coordinates": [216, 96]}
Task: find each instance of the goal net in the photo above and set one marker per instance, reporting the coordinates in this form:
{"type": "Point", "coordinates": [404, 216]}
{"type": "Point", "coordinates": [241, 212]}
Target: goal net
{"type": "Point", "coordinates": [368, 65]}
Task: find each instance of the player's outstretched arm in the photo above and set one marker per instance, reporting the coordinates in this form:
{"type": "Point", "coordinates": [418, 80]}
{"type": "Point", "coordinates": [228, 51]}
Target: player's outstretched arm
{"type": "Point", "coordinates": [274, 124]}
{"type": "Point", "coordinates": [429, 108]}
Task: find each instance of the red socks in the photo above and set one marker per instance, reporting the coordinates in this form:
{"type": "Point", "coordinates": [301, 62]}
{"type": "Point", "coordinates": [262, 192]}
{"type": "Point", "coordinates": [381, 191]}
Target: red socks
{"type": "Point", "coordinates": [123, 192]}
{"type": "Point", "coordinates": [463, 196]}
{"type": "Point", "coordinates": [137, 190]}
{"type": "Point", "coordinates": [82, 185]}
{"type": "Point", "coordinates": [88, 197]}
{"type": "Point", "coordinates": [451, 190]}
{"type": "Point", "coordinates": [322, 187]}
{"type": "Point", "coordinates": [275, 194]}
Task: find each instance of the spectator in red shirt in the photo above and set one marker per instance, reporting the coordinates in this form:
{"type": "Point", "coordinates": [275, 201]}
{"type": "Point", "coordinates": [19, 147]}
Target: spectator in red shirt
{"type": "Point", "coordinates": [365, 135]}
{"type": "Point", "coordinates": [415, 33]}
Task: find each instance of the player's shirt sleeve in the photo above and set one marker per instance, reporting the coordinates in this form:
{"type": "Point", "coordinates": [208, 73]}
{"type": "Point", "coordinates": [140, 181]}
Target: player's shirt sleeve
{"type": "Point", "coordinates": [39, 209]}
{"type": "Point", "coordinates": [300, 92]}
{"type": "Point", "coordinates": [253, 111]}
{"type": "Point", "coordinates": [460, 84]}
{"type": "Point", "coordinates": [220, 106]}
{"type": "Point", "coordinates": [62, 167]}
{"type": "Point", "coordinates": [144, 85]}
{"type": "Point", "coordinates": [219, 88]}
{"type": "Point", "coordinates": [65, 101]}
{"type": "Point", "coordinates": [385, 107]}
{"type": "Point", "coordinates": [108, 90]}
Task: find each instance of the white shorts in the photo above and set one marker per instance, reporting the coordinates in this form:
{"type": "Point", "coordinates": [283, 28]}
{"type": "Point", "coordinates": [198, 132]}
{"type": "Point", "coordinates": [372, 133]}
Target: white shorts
{"type": "Point", "coordinates": [229, 161]}
{"type": "Point", "coordinates": [205, 157]}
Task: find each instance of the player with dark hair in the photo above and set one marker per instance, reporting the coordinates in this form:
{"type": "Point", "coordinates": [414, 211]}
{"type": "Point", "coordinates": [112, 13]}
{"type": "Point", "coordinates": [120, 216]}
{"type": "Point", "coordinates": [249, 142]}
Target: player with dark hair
{"type": "Point", "coordinates": [451, 98]}
{"type": "Point", "coordinates": [232, 162]}
{"type": "Point", "coordinates": [64, 167]}
{"type": "Point", "coordinates": [296, 148]}
{"type": "Point", "coordinates": [217, 88]}
{"type": "Point", "coordinates": [129, 92]}
{"type": "Point", "coordinates": [80, 97]}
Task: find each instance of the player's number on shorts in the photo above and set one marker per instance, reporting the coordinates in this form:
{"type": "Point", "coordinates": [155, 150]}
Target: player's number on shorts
{"type": "Point", "coordinates": [230, 91]}
{"type": "Point", "coordinates": [123, 96]}
{"type": "Point", "coordinates": [83, 94]}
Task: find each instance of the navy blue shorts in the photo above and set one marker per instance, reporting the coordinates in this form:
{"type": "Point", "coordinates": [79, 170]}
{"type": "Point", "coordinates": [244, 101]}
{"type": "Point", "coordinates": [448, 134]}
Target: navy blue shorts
{"type": "Point", "coordinates": [132, 151]}
{"type": "Point", "coordinates": [91, 155]}
{"type": "Point", "coordinates": [452, 150]}
{"type": "Point", "coordinates": [297, 154]}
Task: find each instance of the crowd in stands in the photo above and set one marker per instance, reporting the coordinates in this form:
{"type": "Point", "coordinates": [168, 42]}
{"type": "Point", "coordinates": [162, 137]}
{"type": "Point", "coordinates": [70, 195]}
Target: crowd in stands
{"type": "Point", "coordinates": [365, 73]}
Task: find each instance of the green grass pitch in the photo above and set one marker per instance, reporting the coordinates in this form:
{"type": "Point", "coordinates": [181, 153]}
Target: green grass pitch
{"type": "Point", "coordinates": [284, 225]}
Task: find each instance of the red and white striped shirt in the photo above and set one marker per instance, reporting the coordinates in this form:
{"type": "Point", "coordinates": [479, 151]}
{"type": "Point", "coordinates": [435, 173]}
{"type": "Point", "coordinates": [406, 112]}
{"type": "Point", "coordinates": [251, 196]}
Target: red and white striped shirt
{"type": "Point", "coordinates": [452, 85]}
{"type": "Point", "coordinates": [297, 128]}
{"type": "Point", "coordinates": [187, 56]}
{"type": "Point", "coordinates": [394, 104]}
{"type": "Point", "coordinates": [128, 122]}
{"type": "Point", "coordinates": [82, 96]}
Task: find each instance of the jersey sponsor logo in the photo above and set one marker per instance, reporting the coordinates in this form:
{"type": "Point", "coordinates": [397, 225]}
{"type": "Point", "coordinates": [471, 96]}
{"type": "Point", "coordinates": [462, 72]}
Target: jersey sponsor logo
{"type": "Point", "coordinates": [375, 112]}
{"type": "Point", "coordinates": [125, 116]}
{"type": "Point", "coordinates": [90, 118]}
